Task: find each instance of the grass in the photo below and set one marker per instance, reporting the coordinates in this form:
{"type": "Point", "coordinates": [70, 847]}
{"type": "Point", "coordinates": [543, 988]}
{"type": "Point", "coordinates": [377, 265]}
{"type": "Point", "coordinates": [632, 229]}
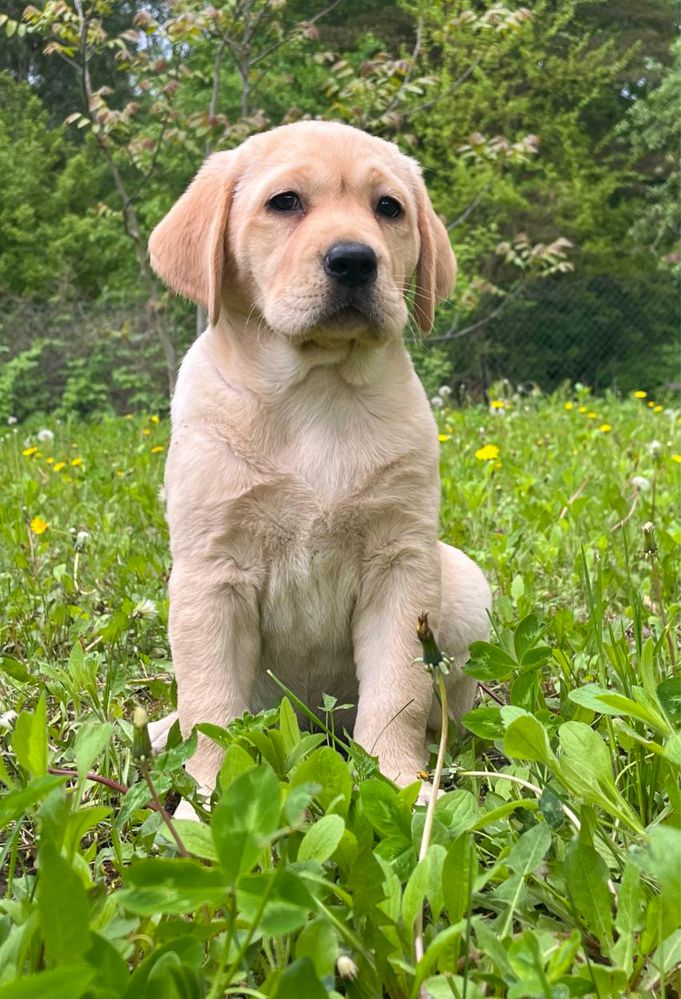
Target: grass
{"type": "Point", "coordinates": [554, 865]}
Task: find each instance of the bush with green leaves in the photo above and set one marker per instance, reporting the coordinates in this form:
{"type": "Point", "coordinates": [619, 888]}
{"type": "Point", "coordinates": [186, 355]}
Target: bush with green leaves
{"type": "Point", "coordinates": [553, 866]}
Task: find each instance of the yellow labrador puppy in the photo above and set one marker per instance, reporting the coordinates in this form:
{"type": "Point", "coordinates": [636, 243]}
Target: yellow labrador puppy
{"type": "Point", "coordinates": [302, 478]}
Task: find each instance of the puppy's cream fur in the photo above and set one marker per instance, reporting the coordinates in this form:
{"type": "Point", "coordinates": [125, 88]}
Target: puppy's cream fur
{"type": "Point", "coordinates": [302, 479]}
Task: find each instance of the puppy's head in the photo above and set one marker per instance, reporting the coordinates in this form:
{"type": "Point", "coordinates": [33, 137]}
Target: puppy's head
{"type": "Point", "coordinates": [317, 227]}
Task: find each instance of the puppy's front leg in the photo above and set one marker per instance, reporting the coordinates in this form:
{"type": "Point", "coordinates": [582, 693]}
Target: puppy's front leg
{"type": "Point", "coordinates": [214, 637]}
{"type": "Point", "coordinates": [401, 581]}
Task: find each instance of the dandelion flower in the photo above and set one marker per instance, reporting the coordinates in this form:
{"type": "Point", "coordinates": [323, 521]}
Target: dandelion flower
{"type": "Point", "coordinates": [58, 465]}
{"type": "Point", "coordinates": [50, 460]}
{"type": "Point", "coordinates": [654, 448]}
{"type": "Point", "coordinates": [569, 406]}
{"type": "Point", "coordinates": [81, 540]}
{"type": "Point", "coordinates": [346, 967]}
{"type": "Point", "coordinates": [592, 415]}
{"type": "Point", "coordinates": [146, 431]}
{"type": "Point", "coordinates": [497, 404]}
{"type": "Point", "coordinates": [443, 438]}
{"type": "Point", "coordinates": [38, 525]}
{"type": "Point", "coordinates": [28, 452]}
{"type": "Point", "coordinates": [45, 436]}
{"type": "Point", "coordinates": [75, 462]}
{"type": "Point", "coordinates": [657, 409]}
{"type": "Point", "coordinates": [487, 453]}
{"type": "Point", "coordinates": [640, 483]}
{"type": "Point", "coordinates": [444, 392]}
{"type": "Point", "coordinates": [157, 449]}
{"type": "Point", "coordinates": [11, 420]}
{"type": "Point", "coordinates": [651, 404]}
{"type": "Point", "coordinates": [605, 428]}
{"type": "Point", "coordinates": [7, 719]}
{"type": "Point", "coordinates": [155, 418]}
{"type": "Point", "coordinates": [677, 458]}
{"type": "Point", "coordinates": [583, 409]}
{"type": "Point", "coordinates": [640, 394]}
{"type": "Point", "coordinates": [144, 608]}
{"type": "Point", "coordinates": [436, 402]}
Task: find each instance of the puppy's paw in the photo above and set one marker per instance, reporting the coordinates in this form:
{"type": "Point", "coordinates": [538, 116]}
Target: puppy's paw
{"type": "Point", "coordinates": [186, 811]}
{"type": "Point", "coordinates": [158, 731]}
{"type": "Point", "coordinates": [426, 792]}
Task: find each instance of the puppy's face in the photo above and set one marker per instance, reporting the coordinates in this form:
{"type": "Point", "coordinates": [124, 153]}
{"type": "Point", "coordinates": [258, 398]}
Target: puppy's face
{"type": "Point", "coordinates": [315, 228]}
{"type": "Point", "coordinates": [325, 238]}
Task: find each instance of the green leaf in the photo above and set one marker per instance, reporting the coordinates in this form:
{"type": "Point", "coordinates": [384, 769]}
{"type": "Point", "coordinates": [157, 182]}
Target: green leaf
{"type": "Point", "coordinates": [63, 908]}
{"type": "Point", "coordinates": [524, 858]}
{"type": "Point", "coordinates": [300, 980]}
{"type": "Point", "coordinates": [459, 872]}
{"type": "Point", "coordinates": [321, 839]}
{"type": "Point", "coordinates": [15, 803]}
{"type": "Point", "coordinates": [380, 805]}
{"type": "Point", "coordinates": [629, 918]}
{"type": "Point", "coordinates": [29, 739]}
{"type": "Point", "coordinates": [527, 634]}
{"type": "Point", "coordinates": [586, 880]}
{"type": "Point", "coordinates": [585, 767]}
{"type": "Point", "coordinates": [60, 983]}
{"type": "Point", "coordinates": [277, 902]}
{"type": "Point", "coordinates": [91, 740]}
{"type": "Point", "coordinates": [551, 808]}
{"type": "Point", "coordinates": [245, 819]}
{"type": "Point", "coordinates": [414, 895]}
{"type": "Point", "coordinates": [484, 722]}
{"type": "Point", "coordinates": [318, 940]}
{"type": "Point", "coordinates": [609, 702]}
{"type": "Point", "coordinates": [288, 725]}
{"type": "Point", "coordinates": [669, 696]}
{"type": "Point", "coordinates": [327, 769]}
{"type": "Point", "coordinates": [489, 662]}
{"type": "Point", "coordinates": [526, 739]}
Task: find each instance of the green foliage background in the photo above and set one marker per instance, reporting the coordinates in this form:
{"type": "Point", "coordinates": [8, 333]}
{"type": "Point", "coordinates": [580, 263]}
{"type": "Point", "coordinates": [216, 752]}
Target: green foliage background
{"type": "Point", "coordinates": [593, 87]}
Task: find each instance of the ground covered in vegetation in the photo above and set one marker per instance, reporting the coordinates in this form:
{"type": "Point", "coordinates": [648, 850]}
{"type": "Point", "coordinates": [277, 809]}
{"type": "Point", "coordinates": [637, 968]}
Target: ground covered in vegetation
{"type": "Point", "coordinates": [554, 868]}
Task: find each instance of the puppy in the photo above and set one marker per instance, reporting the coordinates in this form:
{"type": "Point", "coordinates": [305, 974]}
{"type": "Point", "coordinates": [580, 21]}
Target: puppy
{"type": "Point", "coordinates": [302, 477]}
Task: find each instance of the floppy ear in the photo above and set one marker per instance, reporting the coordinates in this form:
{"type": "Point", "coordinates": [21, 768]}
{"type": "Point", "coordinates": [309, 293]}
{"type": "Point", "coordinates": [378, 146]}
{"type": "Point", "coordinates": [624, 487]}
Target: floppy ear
{"type": "Point", "coordinates": [436, 268]}
{"type": "Point", "coordinates": [188, 247]}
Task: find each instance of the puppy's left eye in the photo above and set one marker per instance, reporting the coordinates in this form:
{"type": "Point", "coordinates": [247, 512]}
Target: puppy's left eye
{"type": "Point", "coordinates": [288, 201]}
{"type": "Point", "coordinates": [389, 208]}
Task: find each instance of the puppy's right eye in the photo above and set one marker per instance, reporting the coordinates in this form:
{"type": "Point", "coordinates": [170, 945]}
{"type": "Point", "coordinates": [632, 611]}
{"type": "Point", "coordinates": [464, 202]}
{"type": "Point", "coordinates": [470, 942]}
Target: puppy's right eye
{"type": "Point", "coordinates": [288, 201]}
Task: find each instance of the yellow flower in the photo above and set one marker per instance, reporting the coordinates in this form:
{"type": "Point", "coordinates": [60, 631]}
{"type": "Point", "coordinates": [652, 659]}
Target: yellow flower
{"type": "Point", "coordinates": [128, 416]}
{"type": "Point", "coordinates": [487, 453]}
{"type": "Point", "coordinates": [677, 458]}
{"type": "Point", "coordinates": [49, 461]}
{"type": "Point", "coordinates": [155, 418]}
{"type": "Point", "coordinates": [640, 394]}
{"type": "Point", "coordinates": [605, 428]}
{"type": "Point", "coordinates": [657, 409]}
{"type": "Point", "coordinates": [29, 451]}
{"type": "Point", "coordinates": [38, 525]}
{"type": "Point", "coordinates": [120, 473]}
{"type": "Point", "coordinates": [58, 465]}
{"type": "Point", "coordinates": [582, 409]}
{"type": "Point", "coordinates": [146, 431]}
{"type": "Point", "coordinates": [76, 461]}
{"type": "Point", "coordinates": [569, 406]}
{"type": "Point", "coordinates": [592, 415]}
{"type": "Point", "coordinates": [497, 404]}
{"type": "Point", "coordinates": [650, 404]}
{"type": "Point", "coordinates": [159, 448]}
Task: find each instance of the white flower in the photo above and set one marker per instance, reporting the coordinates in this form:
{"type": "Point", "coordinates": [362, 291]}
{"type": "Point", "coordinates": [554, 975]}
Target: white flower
{"type": "Point", "coordinates": [346, 967]}
{"type": "Point", "coordinates": [436, 402]}
{"type": "Point", "coordinates": [11, 420]}
{"type": "Point", "coordinates": [7, 719]}
{"type": "Point", "coordinates": [81, 540]}
{"type": "Point", "coordinates": [654, 448]}
{"type": "Point", "coordinates": [45, 435]}
{"type": "Point", "coordinates": [444, 392]}
{"type": "Point", "coordinates": [144, 608]}
{"type": "Point", "coordinates": [640, 483]}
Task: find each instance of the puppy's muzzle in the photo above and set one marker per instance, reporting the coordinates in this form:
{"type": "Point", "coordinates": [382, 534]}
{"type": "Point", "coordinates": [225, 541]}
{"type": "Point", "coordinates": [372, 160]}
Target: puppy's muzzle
{"type": "Point", "coordinates": [353, 265]}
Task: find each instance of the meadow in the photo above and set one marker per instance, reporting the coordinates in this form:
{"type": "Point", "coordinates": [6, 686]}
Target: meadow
{"type": "Point", "coordinates": [554, 864]}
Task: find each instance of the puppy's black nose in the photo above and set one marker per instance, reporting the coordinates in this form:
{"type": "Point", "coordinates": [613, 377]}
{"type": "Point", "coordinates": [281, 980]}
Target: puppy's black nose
{"type": "Point", "coordinates": [351, 264]}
